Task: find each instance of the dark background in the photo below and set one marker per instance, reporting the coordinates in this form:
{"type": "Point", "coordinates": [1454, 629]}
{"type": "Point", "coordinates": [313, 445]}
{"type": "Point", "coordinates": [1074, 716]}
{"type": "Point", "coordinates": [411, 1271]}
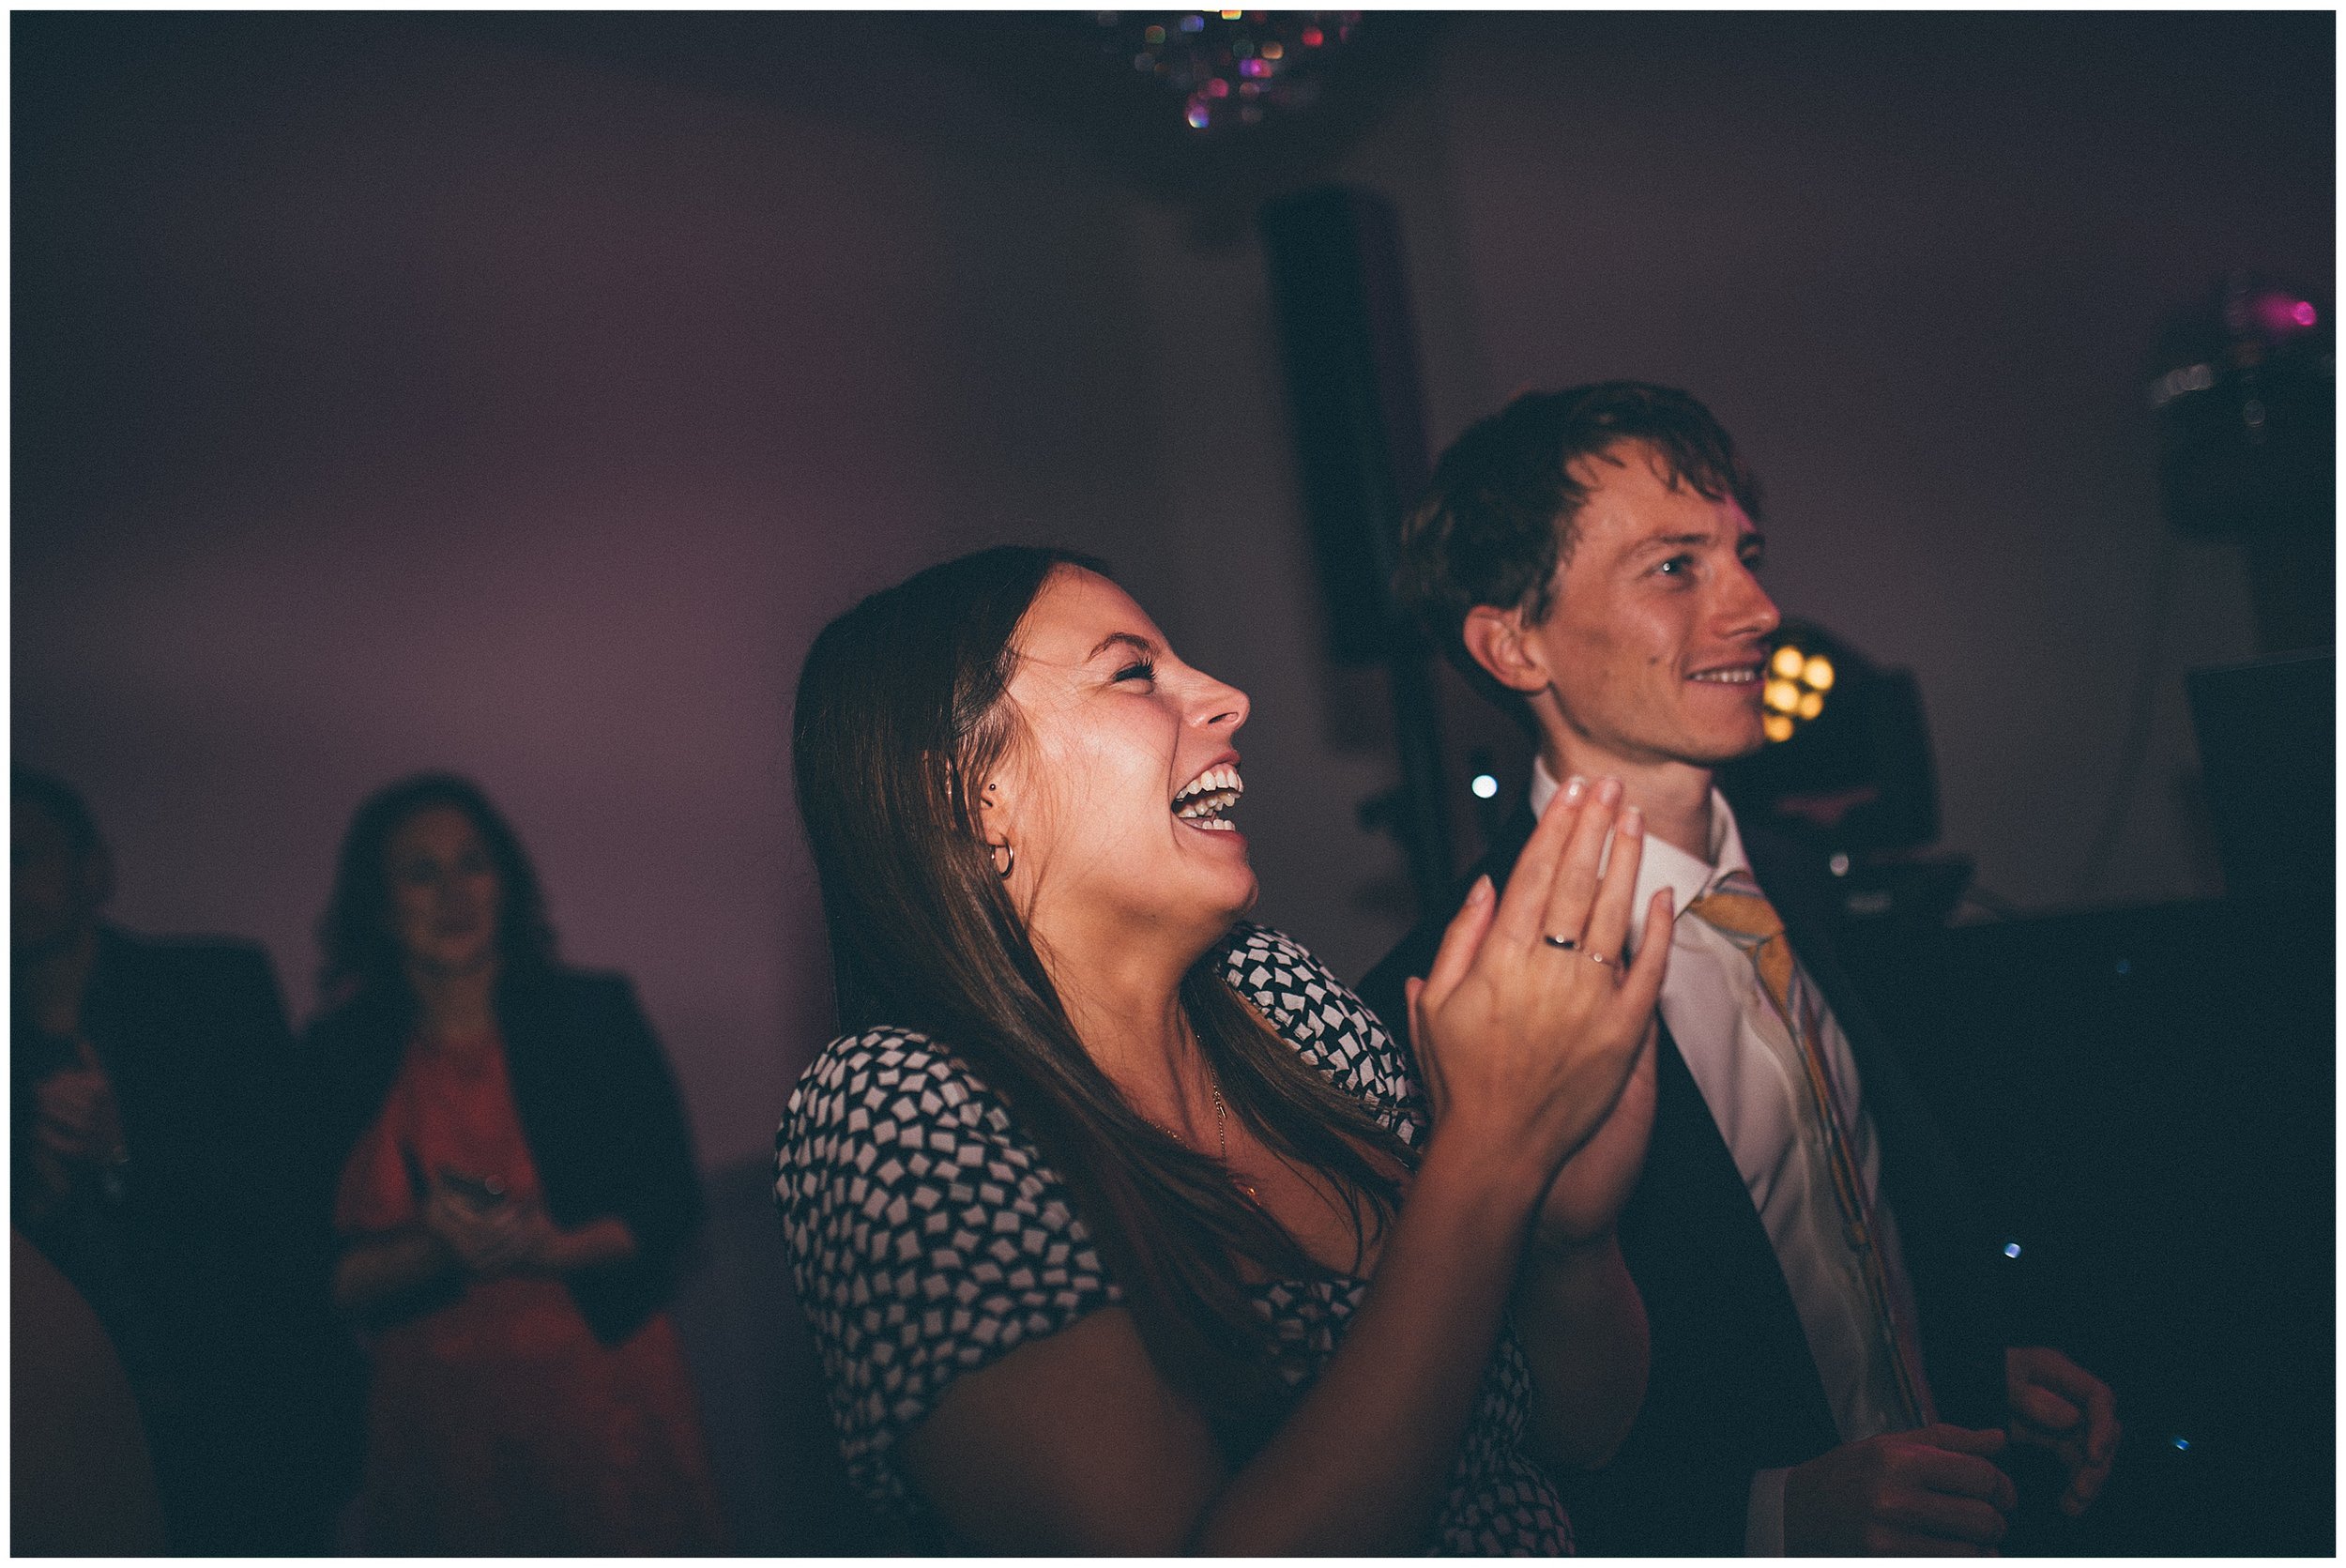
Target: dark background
{"type": "Point", "coordinates": [520, 394]}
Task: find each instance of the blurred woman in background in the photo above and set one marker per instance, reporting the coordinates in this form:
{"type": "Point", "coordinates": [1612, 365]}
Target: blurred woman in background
{"type": "Point", "coordinates": [1123, 1226]}
{"type": "Point", "coordinates": [517, 1188]}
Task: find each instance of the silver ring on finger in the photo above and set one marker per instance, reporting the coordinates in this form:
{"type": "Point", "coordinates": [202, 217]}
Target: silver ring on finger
{"type": "Point", "coordinates": [1597, 958]}
{"type": "Point", "coordinates": [1570, 944]}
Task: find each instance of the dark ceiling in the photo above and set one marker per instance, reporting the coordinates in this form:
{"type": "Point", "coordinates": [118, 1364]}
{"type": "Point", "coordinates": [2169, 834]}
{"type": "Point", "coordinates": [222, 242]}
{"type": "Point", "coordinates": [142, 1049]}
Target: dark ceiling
{"type": "Point", "coordinates": [100, 74]}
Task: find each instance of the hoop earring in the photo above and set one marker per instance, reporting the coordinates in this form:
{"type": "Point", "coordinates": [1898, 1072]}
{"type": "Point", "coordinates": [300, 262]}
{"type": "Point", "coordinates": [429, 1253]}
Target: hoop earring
{"type": "Point", "coordinates": [1005, 857]}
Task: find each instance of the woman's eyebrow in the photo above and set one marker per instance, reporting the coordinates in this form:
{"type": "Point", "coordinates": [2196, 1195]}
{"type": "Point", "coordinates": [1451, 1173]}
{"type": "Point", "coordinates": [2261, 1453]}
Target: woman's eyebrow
{"type": "Point", "coordinates": [1138, 644]}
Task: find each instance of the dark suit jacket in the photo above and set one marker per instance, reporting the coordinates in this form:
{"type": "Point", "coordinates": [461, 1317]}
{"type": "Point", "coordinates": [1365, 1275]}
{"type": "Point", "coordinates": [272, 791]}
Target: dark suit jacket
{"type": "Point", "coordinates": [598, 1108]}
{"type": "Point", "coordinates": [1733, 1388]}
{"type": "Point", "coordinates": [210, 1271]}
{"type": "Point", "coordinates": [193, 1035]}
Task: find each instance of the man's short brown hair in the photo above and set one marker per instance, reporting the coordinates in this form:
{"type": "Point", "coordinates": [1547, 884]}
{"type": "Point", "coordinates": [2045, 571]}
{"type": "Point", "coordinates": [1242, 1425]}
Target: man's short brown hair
{"type": "Point", "coordinates": [1499, 514]}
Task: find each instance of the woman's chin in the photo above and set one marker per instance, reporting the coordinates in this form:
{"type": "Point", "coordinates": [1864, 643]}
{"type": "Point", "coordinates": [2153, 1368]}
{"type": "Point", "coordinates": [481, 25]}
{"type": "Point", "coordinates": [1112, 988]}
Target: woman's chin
{"type": "Point", "coordinates": [1207, 909]}
{"type": "Point", "coordinates": [1244, 893]}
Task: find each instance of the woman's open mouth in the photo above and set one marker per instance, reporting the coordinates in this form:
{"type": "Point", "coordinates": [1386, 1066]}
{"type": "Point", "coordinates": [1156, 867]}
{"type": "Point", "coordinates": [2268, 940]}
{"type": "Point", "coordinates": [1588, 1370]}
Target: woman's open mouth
{"type": "Point", "coordinates": [1206, 801]}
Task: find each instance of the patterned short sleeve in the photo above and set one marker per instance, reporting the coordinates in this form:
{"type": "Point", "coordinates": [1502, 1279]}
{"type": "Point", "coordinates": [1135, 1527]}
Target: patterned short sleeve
{"type": "Point", "coordinates": [1328, 1026]}
{"type": "Point", "coordinates": [927, 1237]}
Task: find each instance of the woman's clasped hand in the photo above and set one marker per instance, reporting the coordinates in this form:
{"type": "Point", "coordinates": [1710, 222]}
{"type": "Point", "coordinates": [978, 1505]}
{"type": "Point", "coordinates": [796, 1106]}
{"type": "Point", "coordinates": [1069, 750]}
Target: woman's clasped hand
{"type": "Point", "coordinates": [1528, 1024]}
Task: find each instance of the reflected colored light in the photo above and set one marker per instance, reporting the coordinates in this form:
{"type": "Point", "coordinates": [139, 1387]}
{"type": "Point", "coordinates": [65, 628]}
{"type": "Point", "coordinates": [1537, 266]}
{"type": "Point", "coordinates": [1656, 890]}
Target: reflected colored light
{"type": "Point", "coordinates": [1812, 704]}
{"type": "Point", "coordinates": [1819, 673]}
{"type": "Point", "coordinates": [1787, 662]}
{"type": "Point", "coordinates": [1273, 51]}
{"type": "Point", "coordinates": [1484, 787]}
{"type": "Point", "coordinates": [1777, 727]}
{"type": "Point", "coordinates": [1153, 36]}
{"type": "Point", "coordinates": [1254, 68]}
{"type": "Point", "coordinates": [1193, 24]}
{"type": "Point", "coordinates": [2281, 314]}
{"type": "Point", "coordinates": [1782, 695]}
{"type": "Point", "coordinates": [1232, 16]}
{"type": "Point", "coordinates": [1312, 38]}
{"type": "Point", "coordinates": [1217, 89]}
{"type": "Point", "coordinates": [2012, 1249]}
{"type": "Point", "coordinates": [1200, 116]}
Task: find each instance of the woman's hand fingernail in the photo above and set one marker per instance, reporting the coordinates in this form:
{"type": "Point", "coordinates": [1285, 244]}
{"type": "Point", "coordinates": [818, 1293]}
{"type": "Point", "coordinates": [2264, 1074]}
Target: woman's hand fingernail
{"type": "Point", "coordinates": [1608, 791]}
{"type": "Point", "coordinates": [1632, 822]}
{"type": "Point", "coordinates": [1481, 891]}
{"type": "Point", "coordinates": [1575, 787]}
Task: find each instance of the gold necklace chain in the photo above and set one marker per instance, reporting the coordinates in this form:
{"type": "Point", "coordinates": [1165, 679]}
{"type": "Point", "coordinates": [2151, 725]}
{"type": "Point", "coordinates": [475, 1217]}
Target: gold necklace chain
{"type": "Point", "coordinates": [1221, 1135]}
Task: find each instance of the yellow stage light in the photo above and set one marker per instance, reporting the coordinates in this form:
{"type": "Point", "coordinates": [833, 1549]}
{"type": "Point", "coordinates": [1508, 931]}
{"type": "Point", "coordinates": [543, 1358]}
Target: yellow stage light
{"type": "Point", "coordinates": [1788, 661]}
{"type": "Point", "coordinates": [1778, 726]}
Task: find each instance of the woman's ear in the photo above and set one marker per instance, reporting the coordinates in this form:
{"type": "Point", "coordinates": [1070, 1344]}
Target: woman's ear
{"type": "Point", "coordinates": [1499, 644]}
{"type": "Point", "coordinates": [993, 815]}
{"type": "Point", "coordinates": [994, 827]}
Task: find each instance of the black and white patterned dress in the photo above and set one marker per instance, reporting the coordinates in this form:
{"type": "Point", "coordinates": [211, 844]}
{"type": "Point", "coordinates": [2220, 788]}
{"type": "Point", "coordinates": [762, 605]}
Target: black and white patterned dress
{"type": "Point", "coordinates": [928, 1237]}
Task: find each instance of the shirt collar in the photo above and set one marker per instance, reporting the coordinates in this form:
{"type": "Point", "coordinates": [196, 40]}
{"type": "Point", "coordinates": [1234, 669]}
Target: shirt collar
{"type": "Point", "coordinates": [1664, 864]}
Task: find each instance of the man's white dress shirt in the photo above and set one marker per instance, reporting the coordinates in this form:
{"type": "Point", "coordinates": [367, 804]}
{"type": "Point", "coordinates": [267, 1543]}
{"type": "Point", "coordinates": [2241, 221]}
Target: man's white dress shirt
{"type": "Point", "coordinates": [1749, 1067]}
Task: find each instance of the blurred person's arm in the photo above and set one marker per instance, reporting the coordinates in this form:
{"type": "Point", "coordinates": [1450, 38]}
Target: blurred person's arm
{"type": "Point", "coordinates": [79, 1479]}
{"type": "Point", "coordinates": [376, 1269]}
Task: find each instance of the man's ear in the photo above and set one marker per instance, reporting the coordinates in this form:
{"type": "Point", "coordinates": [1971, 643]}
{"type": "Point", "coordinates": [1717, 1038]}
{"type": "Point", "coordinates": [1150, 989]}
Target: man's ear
{"type": "Point", "coordinates": [1496, 639]}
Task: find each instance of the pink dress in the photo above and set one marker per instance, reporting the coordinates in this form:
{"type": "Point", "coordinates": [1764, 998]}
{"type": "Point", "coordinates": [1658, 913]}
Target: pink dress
{"type": "Point", "coordinates": [499, 1425]}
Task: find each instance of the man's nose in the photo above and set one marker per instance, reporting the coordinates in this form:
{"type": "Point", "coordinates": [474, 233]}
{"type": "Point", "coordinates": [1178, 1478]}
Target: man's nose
{"type": "Point", "coordinates": [1748, 611]}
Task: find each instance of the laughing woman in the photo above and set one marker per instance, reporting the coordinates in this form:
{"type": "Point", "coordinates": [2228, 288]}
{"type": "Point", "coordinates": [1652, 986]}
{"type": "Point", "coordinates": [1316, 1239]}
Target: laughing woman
{"type": "Point", "coordinates": [1123, 1226]}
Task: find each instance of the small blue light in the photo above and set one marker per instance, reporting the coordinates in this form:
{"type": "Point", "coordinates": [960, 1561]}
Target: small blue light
{"type": "Point", "coordinates": [2125, 965]}
{"type": "Point", "coordinates": [1193, 24]}
{"type": "Point", "coordinates": [1484, 787]}
{"type": "Point", "coordinates": [2012, 1249]}
{"type": "Point", "coordinates": [2183, 1445]}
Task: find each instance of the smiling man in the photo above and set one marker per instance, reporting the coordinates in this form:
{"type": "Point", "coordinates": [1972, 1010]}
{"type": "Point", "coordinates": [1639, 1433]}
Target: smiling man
{"type": "Point", "coordinates": [1827, 1370]}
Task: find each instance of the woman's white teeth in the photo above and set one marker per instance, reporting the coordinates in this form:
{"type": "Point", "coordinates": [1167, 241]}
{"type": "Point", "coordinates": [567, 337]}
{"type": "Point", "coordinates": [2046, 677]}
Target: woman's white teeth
{"type": "Point", "coordinates": [1202, 802]}
{"type": "Point", "coordinates": [1730, 678]}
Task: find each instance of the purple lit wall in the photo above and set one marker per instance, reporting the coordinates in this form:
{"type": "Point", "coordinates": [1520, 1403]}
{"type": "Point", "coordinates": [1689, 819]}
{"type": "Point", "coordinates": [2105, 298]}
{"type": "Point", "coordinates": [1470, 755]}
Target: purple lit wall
{"type": "Point", "coordinates": [410, 397]}
{"type": "Point", "coordinates": [525, 418]}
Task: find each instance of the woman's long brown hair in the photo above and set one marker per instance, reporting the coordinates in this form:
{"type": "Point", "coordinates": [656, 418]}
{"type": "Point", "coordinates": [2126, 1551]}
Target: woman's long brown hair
{"type": "Point", "coordinates": [900, 708]}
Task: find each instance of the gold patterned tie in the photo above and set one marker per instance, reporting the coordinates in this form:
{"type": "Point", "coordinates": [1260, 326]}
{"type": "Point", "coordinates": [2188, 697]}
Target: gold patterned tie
{"type": "Point", "coordinates": [1737, 908]}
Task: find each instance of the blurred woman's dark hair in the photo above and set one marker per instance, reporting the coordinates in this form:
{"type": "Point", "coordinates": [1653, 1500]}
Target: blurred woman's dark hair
{"type": "Point", "coordinates": [901, 715]}
{"type": "Point", "coordinates": [361, 950]}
